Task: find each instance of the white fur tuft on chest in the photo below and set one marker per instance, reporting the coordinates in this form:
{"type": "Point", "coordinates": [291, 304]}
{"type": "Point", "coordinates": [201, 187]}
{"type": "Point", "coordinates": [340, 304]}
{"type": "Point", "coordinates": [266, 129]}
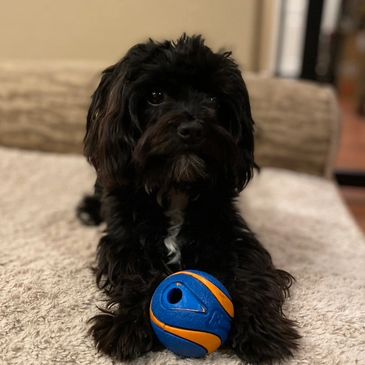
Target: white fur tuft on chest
{"type": "Point", "coordinates": [175, 214]}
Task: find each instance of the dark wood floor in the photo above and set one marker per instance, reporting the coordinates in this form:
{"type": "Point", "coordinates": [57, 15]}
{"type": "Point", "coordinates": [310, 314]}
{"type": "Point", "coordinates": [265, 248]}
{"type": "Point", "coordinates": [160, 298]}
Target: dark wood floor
{"type": "Point", "coordinates": [351, 156]}
{"type": "Point", "coordinates": [355, 200]}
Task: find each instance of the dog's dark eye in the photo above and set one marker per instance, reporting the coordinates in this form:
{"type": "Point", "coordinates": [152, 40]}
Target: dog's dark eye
{"type": "Point", "coordinates": [156, 97]}
{"type": "Point", "coordinates": [212, 100]}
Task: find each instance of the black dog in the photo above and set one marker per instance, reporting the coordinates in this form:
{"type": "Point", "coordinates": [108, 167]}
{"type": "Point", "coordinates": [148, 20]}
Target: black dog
{"type": "Point", "coordinates": [170, 134]}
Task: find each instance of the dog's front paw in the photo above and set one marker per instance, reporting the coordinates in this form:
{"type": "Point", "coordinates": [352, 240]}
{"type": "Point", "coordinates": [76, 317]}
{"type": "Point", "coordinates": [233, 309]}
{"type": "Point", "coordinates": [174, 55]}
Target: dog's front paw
{"type": "Point", "coordinates": [121, 337]}
{"type": "Point", "coordinates": [262, 342]}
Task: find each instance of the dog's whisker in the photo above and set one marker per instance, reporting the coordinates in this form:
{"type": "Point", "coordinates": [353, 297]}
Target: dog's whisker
{"type": "Point", "coordinates": [148, 189]}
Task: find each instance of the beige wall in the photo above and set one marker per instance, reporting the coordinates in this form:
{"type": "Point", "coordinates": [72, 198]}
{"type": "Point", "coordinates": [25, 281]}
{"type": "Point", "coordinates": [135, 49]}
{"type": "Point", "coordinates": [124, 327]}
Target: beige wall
{"type": "Point", "coordinates": [269, 32]}
{"type": "Point", "coordinates": [104, 29]}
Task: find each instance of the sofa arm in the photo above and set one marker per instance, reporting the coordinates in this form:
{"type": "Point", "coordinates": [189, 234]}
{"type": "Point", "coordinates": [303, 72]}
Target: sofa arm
{"type": "Point", "coordinates": [297, 124]}
{"type": "Point", "coordinates": [43, 106]}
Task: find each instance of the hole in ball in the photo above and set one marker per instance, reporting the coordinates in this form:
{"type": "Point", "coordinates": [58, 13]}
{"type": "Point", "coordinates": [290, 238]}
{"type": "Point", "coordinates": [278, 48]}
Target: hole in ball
{"type": "Point", "coordinates": [174, 295]}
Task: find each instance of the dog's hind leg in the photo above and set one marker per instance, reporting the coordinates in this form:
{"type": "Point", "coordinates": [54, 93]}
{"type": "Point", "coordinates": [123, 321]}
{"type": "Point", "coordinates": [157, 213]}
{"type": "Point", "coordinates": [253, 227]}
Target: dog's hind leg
{"type": "Point", "coordinates": [89, 209]}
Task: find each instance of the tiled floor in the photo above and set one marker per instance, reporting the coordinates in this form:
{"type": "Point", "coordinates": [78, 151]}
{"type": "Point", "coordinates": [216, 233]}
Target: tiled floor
{"type": "Point", "coordinates": [352, 157]}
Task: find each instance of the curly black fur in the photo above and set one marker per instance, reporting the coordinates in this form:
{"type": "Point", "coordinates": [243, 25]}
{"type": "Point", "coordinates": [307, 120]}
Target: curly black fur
{"type": "Point", "coordinates": [143, 161]}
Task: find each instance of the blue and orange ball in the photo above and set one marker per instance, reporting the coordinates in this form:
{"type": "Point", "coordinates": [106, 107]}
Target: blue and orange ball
{"type": "Point", "coordinates": [191, 313]}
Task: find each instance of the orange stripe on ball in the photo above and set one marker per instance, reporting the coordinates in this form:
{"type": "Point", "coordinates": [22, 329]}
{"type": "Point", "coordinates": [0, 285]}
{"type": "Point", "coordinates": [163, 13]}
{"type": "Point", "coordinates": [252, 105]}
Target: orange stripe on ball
{"type": "Point", "coordinates": [225, 302]}
{"type": "Point", "coordinates": [207, 340]}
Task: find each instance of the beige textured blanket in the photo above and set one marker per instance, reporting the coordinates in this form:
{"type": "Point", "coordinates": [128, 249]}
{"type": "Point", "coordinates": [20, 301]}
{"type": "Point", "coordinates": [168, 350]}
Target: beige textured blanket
{"type": "Point", "coordinates": [47, 291]}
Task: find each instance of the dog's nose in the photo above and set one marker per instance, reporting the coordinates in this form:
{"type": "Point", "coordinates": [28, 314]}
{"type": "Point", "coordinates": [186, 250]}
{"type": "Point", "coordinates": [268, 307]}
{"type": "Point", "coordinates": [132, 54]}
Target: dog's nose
{"type": "Point", "coordinates": [190, 132]}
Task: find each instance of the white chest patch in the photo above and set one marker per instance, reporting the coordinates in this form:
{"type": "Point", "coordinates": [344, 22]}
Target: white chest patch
{"type": "Point", "coordinates": [175, 214]}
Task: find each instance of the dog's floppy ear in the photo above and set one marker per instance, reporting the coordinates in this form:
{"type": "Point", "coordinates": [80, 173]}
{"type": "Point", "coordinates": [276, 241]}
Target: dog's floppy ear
{"type": "Point", "coordinates": [109, 138]}
{"type": "Point", "coordinates": [246, 140]}
{"type": "Point", "coordinates": [241, 123]}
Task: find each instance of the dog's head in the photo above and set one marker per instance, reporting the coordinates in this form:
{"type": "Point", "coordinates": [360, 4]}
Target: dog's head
{"type": "Point", "coordinates": [171, 113]}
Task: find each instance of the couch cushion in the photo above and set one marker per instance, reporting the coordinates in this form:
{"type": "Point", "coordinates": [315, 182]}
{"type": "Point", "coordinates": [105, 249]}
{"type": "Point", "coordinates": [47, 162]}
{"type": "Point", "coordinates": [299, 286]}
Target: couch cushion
{"type": "Point", "coordinates": [47, 291]}
{"type": "Point", "coordinates": [43, 106]}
